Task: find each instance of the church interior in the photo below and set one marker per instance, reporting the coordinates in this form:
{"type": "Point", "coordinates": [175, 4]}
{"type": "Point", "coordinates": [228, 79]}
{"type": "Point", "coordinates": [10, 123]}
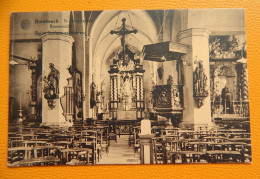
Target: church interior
{"type": "Point", "coordinates": [128, 87]}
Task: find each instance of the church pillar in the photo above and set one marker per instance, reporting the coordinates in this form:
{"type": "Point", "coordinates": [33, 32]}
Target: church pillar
{"type": "Point", "coordinates": [87, 111]}
{"type": "Point", "coordinates": [56, 58]}
{"type": "Point", "coordinates": [197, 107]}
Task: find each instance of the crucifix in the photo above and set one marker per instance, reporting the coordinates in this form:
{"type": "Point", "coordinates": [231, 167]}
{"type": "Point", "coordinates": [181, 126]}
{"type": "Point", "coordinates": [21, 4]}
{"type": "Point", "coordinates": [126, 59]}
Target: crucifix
{"type": "Point", "coordinates": [123, 32]}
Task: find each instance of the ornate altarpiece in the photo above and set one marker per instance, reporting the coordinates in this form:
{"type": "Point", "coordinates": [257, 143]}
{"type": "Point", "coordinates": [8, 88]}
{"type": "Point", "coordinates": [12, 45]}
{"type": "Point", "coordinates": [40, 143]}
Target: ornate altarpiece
{"type": "Point", "coordinates": [229, 82]}
{"type": "Point", "coordinates": [126, 82]}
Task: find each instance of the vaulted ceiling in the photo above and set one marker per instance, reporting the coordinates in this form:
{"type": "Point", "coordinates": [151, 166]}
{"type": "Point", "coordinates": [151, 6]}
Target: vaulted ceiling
{"type": "Point", "coordinates": [103, 44]}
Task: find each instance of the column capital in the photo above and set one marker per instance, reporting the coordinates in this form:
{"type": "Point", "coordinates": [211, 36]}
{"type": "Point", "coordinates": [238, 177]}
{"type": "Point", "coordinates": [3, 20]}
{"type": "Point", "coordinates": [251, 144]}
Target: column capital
{"type": "Point", "coordinates": [57, 36]}
{"type": "Point", "coordinates": [193, 32]}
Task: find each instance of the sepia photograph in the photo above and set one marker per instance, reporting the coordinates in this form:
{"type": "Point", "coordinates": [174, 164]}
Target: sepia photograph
{"type": "Point", "coordinates": [128, 87]}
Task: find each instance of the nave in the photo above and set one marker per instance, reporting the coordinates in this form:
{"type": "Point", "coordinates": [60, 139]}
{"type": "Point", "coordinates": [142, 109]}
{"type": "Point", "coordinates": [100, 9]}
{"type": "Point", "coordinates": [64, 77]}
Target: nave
{"type": "Point", "coordinates": [102, 143]}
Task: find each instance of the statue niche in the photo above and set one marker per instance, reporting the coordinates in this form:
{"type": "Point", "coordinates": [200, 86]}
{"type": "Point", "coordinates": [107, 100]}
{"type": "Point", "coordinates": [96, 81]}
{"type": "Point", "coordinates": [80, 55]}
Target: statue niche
{"type": "Point", "coordinates": [199, 84]}
{"type": "Point", "coordinates": [51, 86]}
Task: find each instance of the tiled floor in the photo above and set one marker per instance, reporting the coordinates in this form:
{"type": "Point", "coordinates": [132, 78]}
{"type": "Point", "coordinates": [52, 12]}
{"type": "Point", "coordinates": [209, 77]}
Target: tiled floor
{"type": "Point", "coordinates": [120, 153]}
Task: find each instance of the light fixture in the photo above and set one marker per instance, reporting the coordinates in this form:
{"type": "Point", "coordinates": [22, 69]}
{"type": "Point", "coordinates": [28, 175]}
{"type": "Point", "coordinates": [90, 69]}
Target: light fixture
{"type": "Point", "coordinates": [163, 59]}
{"type": "Point", "coordinates": [12, 62]}
{"type": "Point", "coordinates": [242, 60]}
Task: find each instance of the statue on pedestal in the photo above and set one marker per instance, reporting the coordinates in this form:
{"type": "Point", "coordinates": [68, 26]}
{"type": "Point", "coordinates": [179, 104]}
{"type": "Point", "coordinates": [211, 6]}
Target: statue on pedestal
{"type": "Point", "coordinates": [51, 85]}
{"type": "Point", "coordinates": [199, 84]}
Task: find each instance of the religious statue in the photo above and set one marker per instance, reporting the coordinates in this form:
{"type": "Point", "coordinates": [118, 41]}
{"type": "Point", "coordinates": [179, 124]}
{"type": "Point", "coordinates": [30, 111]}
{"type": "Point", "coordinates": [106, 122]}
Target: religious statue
{"type": "Point", "coordinates": [199, 84]}
{"type": "Point", "coordinates": [127, 93]}
{"type": "Point", "coordinates": [51, 85]}
{"type": "Point", "coordinates": [78, 93]}
{"type": "Point", "coordinates": [176, 97]}
{"type": "Point", "coordinates": [200, 80]}
{"type": "Point", "coordinates": [53, 77]}
{"type": "Point", "coordinates": [93, 95]}
{"type": "Point", "coordinates": [226, 100]}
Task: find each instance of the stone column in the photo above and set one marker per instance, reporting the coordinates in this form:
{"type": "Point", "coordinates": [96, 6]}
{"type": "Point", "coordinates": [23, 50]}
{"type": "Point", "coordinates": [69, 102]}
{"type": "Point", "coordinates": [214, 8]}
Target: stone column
{"type": "Point", "coordinates": [195, 114]}
{"type": "Point", "coordinates": [57, 51]}
{"type": "Point", "coordinates": [87, 71]}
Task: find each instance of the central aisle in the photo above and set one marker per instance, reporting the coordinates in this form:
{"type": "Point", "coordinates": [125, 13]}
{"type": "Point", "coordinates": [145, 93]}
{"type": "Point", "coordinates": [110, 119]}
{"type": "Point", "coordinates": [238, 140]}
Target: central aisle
{"type": "Point", "coordinates": [120, 153]}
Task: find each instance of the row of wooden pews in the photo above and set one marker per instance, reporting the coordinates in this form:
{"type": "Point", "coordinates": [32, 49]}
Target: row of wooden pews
{"type": "Point", "coordinates": [30, 144]}
{"type": "Point", "coordinates": [218, 145]}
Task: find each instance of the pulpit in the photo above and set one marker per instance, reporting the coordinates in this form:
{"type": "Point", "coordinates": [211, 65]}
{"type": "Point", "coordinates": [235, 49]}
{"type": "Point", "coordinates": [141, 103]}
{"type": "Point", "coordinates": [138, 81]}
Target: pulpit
{"type": "Point", "coordinates": [168, 100]}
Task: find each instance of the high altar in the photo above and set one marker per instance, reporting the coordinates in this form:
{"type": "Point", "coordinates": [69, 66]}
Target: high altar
{"type": "Point", "coordinates": [126, 82]}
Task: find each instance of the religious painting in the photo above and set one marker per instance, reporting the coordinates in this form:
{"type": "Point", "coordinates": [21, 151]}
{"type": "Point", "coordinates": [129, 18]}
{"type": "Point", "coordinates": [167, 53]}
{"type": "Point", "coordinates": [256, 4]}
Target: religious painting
{"type": "Point", "coordinates": [128, 87]}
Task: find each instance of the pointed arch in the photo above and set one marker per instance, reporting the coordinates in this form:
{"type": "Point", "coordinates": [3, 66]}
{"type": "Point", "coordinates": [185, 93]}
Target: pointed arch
{"type": "Point", "coordinates": [102, 44]}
